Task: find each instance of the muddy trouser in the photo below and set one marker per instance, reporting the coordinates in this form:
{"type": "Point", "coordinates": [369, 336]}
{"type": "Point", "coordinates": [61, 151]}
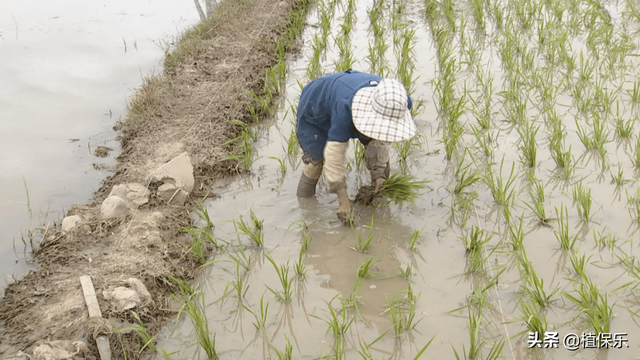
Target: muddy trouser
{"type": "Point", "coordinates": [310, 176]}
{"type": "Point", "coordinates": [376, 156]}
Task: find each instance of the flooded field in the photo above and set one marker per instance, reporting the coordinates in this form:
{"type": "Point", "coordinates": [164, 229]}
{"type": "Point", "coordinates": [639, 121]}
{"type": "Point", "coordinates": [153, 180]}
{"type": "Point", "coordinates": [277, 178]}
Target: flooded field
{"type": "Point", "coordinates": [528, 116]}
{"type": "Point", "coordinates": [67, 69]}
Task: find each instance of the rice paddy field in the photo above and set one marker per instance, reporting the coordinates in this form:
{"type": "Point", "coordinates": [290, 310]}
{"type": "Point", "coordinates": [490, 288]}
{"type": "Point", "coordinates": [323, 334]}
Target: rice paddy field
{"type": "Point", "coordinates": [522, 245]}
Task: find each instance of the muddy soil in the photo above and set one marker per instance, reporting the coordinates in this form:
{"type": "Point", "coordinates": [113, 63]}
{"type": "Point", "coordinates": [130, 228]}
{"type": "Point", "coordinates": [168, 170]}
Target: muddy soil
{"type": "Point", "coordinates": [189, 108]}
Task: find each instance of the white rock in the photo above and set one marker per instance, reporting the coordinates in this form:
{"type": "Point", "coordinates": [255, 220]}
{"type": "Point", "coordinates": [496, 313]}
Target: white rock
{"type": "Point", "coordinates": [114, 207]}
{"type": "Point", "coordinates": [171, 194]}
{"type": "Point", "coordinates": [122, 298]}
{"type": "Point", "coordinates": [178, 172]}
{"type": "Point", "coordinates": [70, 222]}
{"type": "Point", "coordinates": [137, 194]}
{"type": "Point", "coordinates": [139, 287]}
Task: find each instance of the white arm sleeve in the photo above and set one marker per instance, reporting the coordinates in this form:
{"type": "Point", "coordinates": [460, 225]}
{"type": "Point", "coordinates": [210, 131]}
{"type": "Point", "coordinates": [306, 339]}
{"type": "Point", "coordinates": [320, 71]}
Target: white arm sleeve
{"type": "Point", "coordinates": [334, 164]}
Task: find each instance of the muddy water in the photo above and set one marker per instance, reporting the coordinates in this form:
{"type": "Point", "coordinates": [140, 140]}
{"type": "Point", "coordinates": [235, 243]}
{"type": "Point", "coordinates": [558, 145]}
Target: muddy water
{"type": "Point", "coordinates": [438, 280]}
{"type": "Point", "coordinates": [67, 69]}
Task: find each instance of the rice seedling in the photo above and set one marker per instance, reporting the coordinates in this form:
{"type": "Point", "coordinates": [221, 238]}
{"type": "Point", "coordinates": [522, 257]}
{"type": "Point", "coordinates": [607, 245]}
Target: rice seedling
{"type": "Point", "coordinates": [633, 203]}
{"type": "Point", "coordinates": [502, 191]}
{"type": "Point", "coordinates": [406, 271]}
{"type": "Point", "coordinates": [403, 314]}
{"type": "Point", "coordinates": [282, 271]}
{"type": "Point", "coordinates": [536, 194]}
{"type": "Point", "coordinates": [254, 232]}
{"type": "Point", "coordinates": [477, 7]}
{"type": "Point", "coordinates": [365, 349]}
{"type": "Point", "coordinates": [398, 188]}
{"type": "Point", "coordinates": [364, 244]}
{"type": "Point", "coordinates": [516, 234]}
{"type": "Point", "coordinates": [462, 205]}
{"type": "Point", "coordinates": [533, 286]}
{"type": "Point", "coordinates": [143, 333]}
{"type": "Point", "coordinates": [528, 146]}
{"type": "Point", "coordinates": [282, 165]}
{"type": "Point", "coordinates": [474, 243]}
{"type": "Point", "coordinates": [562, 234]}
{"type": "Point", "coordinates": [287, 354]}
{"type": "Point", "coordinates": [292, 144]}
{"type": "Point", "coordinates": [482, 106]}
{"type": "Point", "coordinates": [306, 239]}
{"type": "Point", "coordinates": [600, 136]}
{"type": "Point", "coordinates": [298, 268]}
{"type": "Point", "coordinates": [593, 304]}
{"type": "Point", "coordinates": [533, 318]}
{"type": "Point", "coordinates": [244, 158]}
{"type": "Point", "coordinates": [365, 270]}
{"type": "Point", "coordinates": [338, 324]}
{"type": "Point", "coordinates": [260, 322]}
{"type": "Point", "coordinates": [241, 258]}
{"type": "Point", "coordinates": [359, 151]}
{"type": "Point", "coordinates": [404, 150]}
{"type": "Point", "coordinates": [484, 141]}
{"type": "Point", "coordinates": [238, 285]}
{"type": "Point", "coordinates": [414, 240]}
{"type": "Point", "coordinates": [603, 240]}
{"type": "Point", "coordinates": [475, 342]}
{"type": "Point", "coordinates": [195, 310]}
{"type": "Point", "coordinates": [635, 158]}
{"type": "Point", "coordinates": [465, 177]}
{"type": "Point", "coordinates": [582, 199]}
{"type": "Point", "coordinates": [578, 263]}
{"type": "Point", "coordinates": [197, 247]}
{"type": "Point", "coordinates": [449, 13]}
{"type": "Point", "coordinates": [624, 129]}
{"type": "Point", "coordinates": [634, 94]}
{"type": "Point", "coordinates": [629, 263]}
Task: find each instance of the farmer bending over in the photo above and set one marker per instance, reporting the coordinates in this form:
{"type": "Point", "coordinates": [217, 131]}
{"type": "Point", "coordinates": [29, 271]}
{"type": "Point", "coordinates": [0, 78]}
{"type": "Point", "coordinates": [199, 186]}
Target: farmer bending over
{"type": "Point", "coordinates": [350, 105]}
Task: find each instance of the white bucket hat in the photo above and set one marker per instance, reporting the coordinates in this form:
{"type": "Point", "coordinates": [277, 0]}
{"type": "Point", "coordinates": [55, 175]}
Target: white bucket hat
{"type": "Point", "coordinates": [380, 112]}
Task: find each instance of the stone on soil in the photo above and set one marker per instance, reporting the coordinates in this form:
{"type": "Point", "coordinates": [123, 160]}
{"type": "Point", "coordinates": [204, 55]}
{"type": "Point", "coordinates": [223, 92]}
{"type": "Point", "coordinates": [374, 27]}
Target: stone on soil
{"type": "Point", "coordinates": [127, 297]}
{"type": "Point", "coordinates": [70, 222]}
{"type": "Point", "coordinates": [137, 194]}
{"type": "Point", "coordinates": [114, 207]}
{"type": "Point", "coordinates": [177, 178]}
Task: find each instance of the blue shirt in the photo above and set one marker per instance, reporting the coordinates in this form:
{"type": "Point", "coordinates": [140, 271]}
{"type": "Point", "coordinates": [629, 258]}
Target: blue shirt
{"type": "Point", "coordinates": [324, 110]}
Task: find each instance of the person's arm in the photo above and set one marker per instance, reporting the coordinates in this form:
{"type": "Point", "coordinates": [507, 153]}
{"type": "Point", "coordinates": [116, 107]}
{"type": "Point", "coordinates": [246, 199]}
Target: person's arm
{"type": "Point", "coordinates": [335, 153]}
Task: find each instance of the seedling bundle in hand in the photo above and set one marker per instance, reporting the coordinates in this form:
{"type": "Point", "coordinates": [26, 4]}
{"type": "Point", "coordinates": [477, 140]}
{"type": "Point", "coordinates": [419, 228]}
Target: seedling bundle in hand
{"type": "Point", "coordinates": [398, 188]}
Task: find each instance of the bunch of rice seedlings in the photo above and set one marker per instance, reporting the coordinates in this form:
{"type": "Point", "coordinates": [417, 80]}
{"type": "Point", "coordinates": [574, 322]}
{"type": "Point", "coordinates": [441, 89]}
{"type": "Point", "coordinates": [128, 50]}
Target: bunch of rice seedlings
{"type": "Point", "coordinates": [398, 188]}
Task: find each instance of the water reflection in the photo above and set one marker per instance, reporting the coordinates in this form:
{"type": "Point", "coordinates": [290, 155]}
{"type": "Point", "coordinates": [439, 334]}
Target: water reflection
{"type": "Point", "coordinates": [65, 81]}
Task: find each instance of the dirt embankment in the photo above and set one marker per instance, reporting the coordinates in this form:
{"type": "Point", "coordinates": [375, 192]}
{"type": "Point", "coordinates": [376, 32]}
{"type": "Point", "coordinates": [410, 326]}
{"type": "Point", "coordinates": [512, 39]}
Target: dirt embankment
{"type": "Point", "coordinates": [190, 108]}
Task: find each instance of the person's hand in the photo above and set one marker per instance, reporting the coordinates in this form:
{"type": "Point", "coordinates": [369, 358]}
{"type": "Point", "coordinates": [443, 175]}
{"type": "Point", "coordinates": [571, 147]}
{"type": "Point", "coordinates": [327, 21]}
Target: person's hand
{"type": "Point", "coordinates": [378, 184]}
{"type": "Point", "coordinates": [345, 212]}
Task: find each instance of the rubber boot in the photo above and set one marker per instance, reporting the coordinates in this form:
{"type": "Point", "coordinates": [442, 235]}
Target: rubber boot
{"type": "Point", "coordinates": [309, 180]}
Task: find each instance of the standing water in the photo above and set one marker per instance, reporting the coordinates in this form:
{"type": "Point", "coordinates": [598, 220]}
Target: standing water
{"type": "Point", "coordinates": [67, 69]}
